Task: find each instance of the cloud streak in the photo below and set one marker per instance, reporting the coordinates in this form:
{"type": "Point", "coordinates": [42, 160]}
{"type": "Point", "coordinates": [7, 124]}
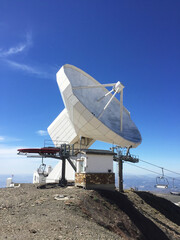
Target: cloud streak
{"type": "Point", "coordinates": [1, 138]}
{"type": "Point", "coordinates": [11, 163]}
{"type": "Point", "coordinates": [17, 49]}
{"type": "Point", "coordinates": [42, 133]}
{"type": "Point", "coordinates": [29, 69]}
{"type": "Point", "coordinates": [5, 56]}
{"type": "Point", "coordinates": [5, 139]}
{"type": "Point", "coordinates": [13, 50]}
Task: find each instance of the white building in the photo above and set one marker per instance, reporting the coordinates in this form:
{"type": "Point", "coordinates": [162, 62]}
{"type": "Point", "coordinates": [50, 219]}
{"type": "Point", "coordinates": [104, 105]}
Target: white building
{"type": "Point", "coordinates": [95, 169]}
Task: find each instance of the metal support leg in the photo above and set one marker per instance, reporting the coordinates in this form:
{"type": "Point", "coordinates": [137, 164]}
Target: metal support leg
{"type": "Point", "coordinates": [72, 164]}
{"type": "Point", "coordinates": [120, 175]}
{"type": "Point", "coordinates": [63, 181]}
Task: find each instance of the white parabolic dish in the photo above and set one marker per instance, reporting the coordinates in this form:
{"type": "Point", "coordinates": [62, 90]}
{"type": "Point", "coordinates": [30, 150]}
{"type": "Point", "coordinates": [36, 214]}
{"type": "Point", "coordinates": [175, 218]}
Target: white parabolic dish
{"type": "Point", "coordinates": [80, 118]}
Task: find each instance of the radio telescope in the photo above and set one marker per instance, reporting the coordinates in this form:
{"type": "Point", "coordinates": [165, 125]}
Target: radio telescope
{"type": "Point", "coordinates": [92, 112]}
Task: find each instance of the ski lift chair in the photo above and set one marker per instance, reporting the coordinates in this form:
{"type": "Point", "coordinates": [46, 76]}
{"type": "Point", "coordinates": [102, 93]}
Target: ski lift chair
{"type": "Point", "coordinates": [175, 189]}
{"type": "Point", "coordinates": [162, 182]}
{"type": "Point", "coordinates": [42, 169]}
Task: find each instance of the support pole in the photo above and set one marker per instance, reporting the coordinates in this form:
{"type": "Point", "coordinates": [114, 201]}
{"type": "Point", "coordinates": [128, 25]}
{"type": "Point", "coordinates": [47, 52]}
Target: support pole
{"type": "Point", "coordinates": [72, 164]}
{"type": "Point", "coordinates": [63, 181]}
{"type": "Point", "coordinates": [120, 175]}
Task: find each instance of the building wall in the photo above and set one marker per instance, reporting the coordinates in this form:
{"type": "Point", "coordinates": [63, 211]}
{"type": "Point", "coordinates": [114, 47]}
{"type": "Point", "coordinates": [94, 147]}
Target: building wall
{"type": "Point", "coordinates": [98, 163]}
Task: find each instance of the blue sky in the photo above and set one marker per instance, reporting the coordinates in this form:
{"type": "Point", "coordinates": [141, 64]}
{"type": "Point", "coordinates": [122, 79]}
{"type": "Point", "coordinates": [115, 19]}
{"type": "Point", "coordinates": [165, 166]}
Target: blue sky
{"type": "Point", "coordinates": [135, 42]}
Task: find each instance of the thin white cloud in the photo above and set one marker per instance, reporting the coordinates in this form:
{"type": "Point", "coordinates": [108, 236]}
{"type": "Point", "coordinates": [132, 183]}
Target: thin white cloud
{"type": "Point", "coordinates": [13, 50]}
{"type": "Point", "coordinates": [6, 152]}
{"type": "Point", "coordinates": [5, 139]}
{"type": "Point", "coordinates": [42, 133]}
{"type": "Point", "coordinates": [1, 138]}
{"type": "Point", "coordinates": [23, 67]}
{"type": "Point", "coordinates": [11, 162]}
{"type": "Point", "coordinates": [20, 48]}
{"type": "Point", "coordinates": [17, 49]}
{"type": "Point", "coordinates": [29, 69]}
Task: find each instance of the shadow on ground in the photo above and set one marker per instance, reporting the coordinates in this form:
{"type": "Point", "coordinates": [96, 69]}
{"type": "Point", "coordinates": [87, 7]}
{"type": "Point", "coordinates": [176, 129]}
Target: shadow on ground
{"type": "Point", "coordinates": [165, 207]}
{"type": "Point", "coordinates": [116, 212]}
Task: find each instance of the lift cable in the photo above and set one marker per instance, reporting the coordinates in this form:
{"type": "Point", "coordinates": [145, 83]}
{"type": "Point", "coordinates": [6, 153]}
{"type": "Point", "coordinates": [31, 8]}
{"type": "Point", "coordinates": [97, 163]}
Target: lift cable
{"type": "Point", "coordinates": [151, 171]}
{"type": "Point", "coordinates": [159, 167]}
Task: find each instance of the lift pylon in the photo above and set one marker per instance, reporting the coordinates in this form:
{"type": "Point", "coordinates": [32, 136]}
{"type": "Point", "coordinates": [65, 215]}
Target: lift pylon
{"type": "Point", "coordinates": [123, 155]}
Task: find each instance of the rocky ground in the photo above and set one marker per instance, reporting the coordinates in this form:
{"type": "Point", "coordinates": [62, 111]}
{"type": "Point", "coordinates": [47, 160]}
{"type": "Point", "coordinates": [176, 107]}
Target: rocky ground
{"type": "Point", "coordinates": [51, 212]}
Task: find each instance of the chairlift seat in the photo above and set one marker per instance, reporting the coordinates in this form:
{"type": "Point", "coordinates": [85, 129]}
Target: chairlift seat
{"type": "Point", "coordinates": [175, 193]}
{"type": "Point", "coordinates": [162, 186]}
{"type": "Point", "coordinates": [161, 182]}
{"type": "Point", "coordinates": [42, 170]}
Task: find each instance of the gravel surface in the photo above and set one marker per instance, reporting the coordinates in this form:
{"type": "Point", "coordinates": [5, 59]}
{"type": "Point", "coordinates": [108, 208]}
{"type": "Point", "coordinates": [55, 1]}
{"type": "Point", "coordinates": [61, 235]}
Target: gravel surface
{"type": "Point", "coordinates": [51, 212]}
{"type": "Point", "coordinates": [30, 213]}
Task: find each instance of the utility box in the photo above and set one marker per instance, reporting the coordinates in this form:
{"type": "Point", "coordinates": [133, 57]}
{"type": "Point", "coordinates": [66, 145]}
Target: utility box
{"type": "Point", "coordinates": [95, 170]}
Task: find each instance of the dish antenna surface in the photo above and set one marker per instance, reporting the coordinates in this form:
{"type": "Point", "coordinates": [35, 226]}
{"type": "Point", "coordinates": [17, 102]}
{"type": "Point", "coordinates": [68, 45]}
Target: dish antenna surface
{"type": "Point", "coordinates": [91, 112]}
